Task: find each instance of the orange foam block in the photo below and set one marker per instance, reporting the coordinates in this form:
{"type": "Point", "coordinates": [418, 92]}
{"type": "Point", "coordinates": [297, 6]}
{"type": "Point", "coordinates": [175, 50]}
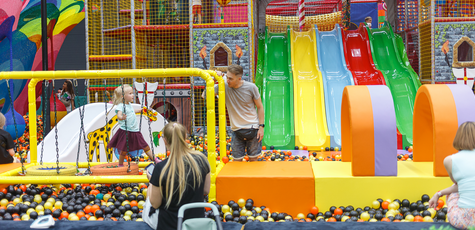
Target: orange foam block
{"type": "Point", "coordinates": [281, 186]}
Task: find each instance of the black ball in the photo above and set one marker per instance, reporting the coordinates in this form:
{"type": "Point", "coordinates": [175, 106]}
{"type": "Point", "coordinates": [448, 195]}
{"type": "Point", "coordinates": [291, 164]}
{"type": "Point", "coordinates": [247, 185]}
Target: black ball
{"type": "Point", "coordinates": [230, 203]}
{"type": "Point", "coordinates": [140, 197]}
{"type": "Point", "coordinates": [135, 209]}
{"type": "Point", "coordinates": [57, 213]}
{"type": "Point", "coordinates": [280, 216]}
{"type": "Point", "coordinates": [107, 210]}
{"type": "Point", "coordinates": [413, 206]}
{"type": "Point", "coordinates": [117, 204]}
{"type": "Point", "coordinates": [127, 207]}
{"type": "Point", "coordinates": [122, 209]}
{"type": "Point", "coordinates": [332, 149]}
{"type": "Point", "coordinates": [33, 215]}
{"type": "Point", "coordinates": [425, 213]}
{"type": "Point", "coordinates": [236, 213]}
{"type": "Point", "coordinates": [398, 217]}
{"type": "Point", "coordinates": [8, 196]}
{"type": "Point", "coordinates": [99, 213]}
{"type": "Point", "coordinates": [265, 216]}
{"type": "Point", "coordinates": [44, 197]}
{"type": "Point", "coordinates": [235, 206]}
{"type": "Point", "coordinates": [337, 217]}
{"type": "Point", "coordinates": [327, 149]}
{"type": "Point", "coordinates": [353, 213]}
{"type": "Point", "coordinates": [248, 206]}
{"type": "Point", "coordinates": [116, 213]}
{"type": "Point", "coordinates": [378, 216]}
{"type": "Point", "coordinates": [9, 217]}
{"type": "Point", "coordinates": [444, 210]}
{"type": "Point", "coordinates": [354, 218]}
{"type": "Point", "coordinates": [250, 201]}
{"type": "Point", "coordinates": [405, 203]}
{"type": "Point", "coordinates": [311, 216]}
{"type": "Point", "coordinates": [332, 209]}
{"type": "Point", "coordinates": [425, 198]}
{"type": "Point", "coordinates": [420, 207]}
{"type": "Point", "coordinates": [321, 220]}
{"type": "Point", "coordinates": [416, 213]}
{"type": "Point", "coordinates": [2, 212]}
{"type": "Point", "coordinates": [440, 216]}
{"type": "Point", "coordinates": [328, 214]}
{"type": "Point", "coordinates": [296, 148]}
{"type": "Point", "coordinates": [367, 208]}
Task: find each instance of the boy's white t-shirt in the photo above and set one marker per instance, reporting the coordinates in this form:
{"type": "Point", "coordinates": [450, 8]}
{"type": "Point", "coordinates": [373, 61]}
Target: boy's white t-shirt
{"type": "Point", "coordinates": [196, 2]}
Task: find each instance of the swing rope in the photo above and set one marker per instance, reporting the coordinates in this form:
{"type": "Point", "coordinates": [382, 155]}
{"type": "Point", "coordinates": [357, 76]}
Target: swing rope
{"type": "Point", "coordinates": [81, 131]}
{"type": "Point", "coordinates": [126, 129]}
{"type": "Point", "coordinates": [145, 101]}
{"type": "Point", "coordinates": [10, 92]}
{"type": "Point", "coordinates": [106, 142]}
{"type": "Point", "coordinates": [43, 110]}
{"type": "Point", "coordinates": [56, 130]}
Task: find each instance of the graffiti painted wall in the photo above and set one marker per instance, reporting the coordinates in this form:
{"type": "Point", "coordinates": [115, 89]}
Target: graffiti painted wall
{"type": "Point", "coordinates": [452, 36]}
{"type": "Point", "coordinates": [217, 48]}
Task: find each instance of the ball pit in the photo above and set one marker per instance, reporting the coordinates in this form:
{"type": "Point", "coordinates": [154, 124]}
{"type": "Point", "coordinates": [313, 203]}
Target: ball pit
{"type": "Point", "coordinates": [124, 202]}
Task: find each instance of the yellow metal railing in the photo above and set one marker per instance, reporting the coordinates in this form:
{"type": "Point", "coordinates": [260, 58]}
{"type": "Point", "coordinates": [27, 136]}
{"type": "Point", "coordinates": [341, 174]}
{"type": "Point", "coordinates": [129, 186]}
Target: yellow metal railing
{"type": "Point", "coordinates": [37, 76]}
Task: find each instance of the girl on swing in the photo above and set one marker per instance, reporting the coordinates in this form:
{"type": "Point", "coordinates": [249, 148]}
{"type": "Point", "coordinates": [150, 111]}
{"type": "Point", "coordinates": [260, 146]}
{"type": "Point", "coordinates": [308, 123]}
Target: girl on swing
{"type": "Point", "coordinates": [128, 138]}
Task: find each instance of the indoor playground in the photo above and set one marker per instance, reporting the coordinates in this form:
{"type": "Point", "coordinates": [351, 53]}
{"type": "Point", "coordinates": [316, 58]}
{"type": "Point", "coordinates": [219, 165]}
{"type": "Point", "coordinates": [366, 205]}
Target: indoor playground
{"type": "Point", "coordinates": [359, 114]}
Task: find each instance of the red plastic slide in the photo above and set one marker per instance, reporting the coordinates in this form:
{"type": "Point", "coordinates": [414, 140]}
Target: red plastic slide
{"type": "Point", "coordinates": [358, 57]}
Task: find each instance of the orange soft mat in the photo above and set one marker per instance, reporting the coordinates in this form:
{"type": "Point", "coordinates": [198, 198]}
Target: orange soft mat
{"type": "Point", "coordinates": [281, 186]}
{"type": "Point", "coordinates": [8, 167]}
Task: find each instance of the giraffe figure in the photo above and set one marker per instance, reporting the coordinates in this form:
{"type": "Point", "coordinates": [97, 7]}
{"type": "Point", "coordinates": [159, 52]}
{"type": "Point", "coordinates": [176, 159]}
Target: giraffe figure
{"type": "Point", "coordinates": [103, 134]}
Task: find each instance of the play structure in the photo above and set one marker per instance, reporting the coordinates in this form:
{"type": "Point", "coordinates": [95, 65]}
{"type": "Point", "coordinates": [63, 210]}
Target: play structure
{"type": "Point", "coordinates": [330, 85]}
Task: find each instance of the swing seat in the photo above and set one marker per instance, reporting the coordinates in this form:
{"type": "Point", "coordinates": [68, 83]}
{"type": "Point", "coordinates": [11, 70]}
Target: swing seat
{"type": "Point", "coordinates": [110, 169]}
{"type": "Point", "coordinates": [199, 223]}
{"type": "Point", "coordinates": [50, 170]}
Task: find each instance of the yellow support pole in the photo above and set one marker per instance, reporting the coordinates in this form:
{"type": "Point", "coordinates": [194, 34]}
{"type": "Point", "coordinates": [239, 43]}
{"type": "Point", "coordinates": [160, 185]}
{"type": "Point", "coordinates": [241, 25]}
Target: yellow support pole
{"type": "Point", "coordinates": [221, 113]}
{"type": "Point", "coordinates": [32, 119]}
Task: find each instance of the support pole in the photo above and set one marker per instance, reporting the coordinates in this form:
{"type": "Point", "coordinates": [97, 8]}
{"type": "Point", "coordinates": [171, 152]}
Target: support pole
{"type": "Point", "coordinates": [44, 50]}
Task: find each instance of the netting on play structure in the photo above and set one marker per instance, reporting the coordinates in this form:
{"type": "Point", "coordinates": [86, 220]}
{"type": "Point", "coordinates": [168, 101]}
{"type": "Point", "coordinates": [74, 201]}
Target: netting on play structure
{"type": "Point", "coordinates": [283, 13]}
{"type": "Point", "coordinates": [408, 29]}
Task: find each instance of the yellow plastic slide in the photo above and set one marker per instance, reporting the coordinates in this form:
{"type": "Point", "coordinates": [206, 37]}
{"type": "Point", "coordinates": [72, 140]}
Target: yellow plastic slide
{"type": "Point", "coordinates": [309, 103]}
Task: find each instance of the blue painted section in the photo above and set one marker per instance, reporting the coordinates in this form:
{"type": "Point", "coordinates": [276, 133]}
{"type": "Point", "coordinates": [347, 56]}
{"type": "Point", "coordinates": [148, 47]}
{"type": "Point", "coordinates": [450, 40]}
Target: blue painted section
{"type": "Point", "coordinates": [335, 75]}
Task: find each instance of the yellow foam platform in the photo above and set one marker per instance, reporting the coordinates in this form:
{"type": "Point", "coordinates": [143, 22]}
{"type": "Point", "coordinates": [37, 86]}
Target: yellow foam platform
{"type": "Point", "coordinates": [281, 186]}
{"type": "Point", "coordinates": [335, 186]}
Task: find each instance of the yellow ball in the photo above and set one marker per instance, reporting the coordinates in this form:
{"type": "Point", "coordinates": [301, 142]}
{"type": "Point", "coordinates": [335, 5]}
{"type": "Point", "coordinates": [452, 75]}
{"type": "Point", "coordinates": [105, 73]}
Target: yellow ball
{"type": "Point", "coordinates": [71, 216]}
{"type": "Point", "coordinates": [375, 204]}
{"type": "Point", "coordinates": [251, 218]}
{"type": "Point", "coordinates": [270, 219]}
{"type": "Point", "coordinates": [258, 210]}
{"type": "Point", "coordinates": [248, 213]}
{"type": "Point", "coordinates": [391, 212]}
{"type": "Point", "coordinates": [4, 202]}
{"type": "Point", "coordinates": [48, 205]}
{"type": "Point", "coordinates": [127, 218]}
{"type": "Point", "coordinates": [300, 216]}
{"type": "Point", "coordinates": [260, 218]}
{"type": "Point", "coordinates": [37, 199]}
{"type": "Point", "coordinates": [25, 217]}
{"type": "Point", "coordinates": [344, 218]}
{"type": "Point", "coordinates": [139, 219]}
{"type": "Point", "coordinates": [364, 216]}
{"type": "Point", "coordinates": [432, 212]}
{"type": "Point", "coordinates": [128, 213]}
{"type": "Point", "coordinates": [51, 200]}
{"type": "Point", "coordinates": [427, 219]}
{"type": "Point", "coordinates": [58, 205]}
{"type": "Point", "coordinates": [109, 204]}
{"type": "Point", "coordinates": [225, 208]}
{"type": "Point", "coordinates": [26, 203]}
{"type": "Point", "coordinates": [243, 212]}
{"type": "Point", "coordinates": [410, 218]}
{"type": "Point", "coordinates": [39, 208]}
{"type": "Point", "coordinates": [16, 201]}
{"type": "Point", "coordinates": [241, 202]}
{"type": "Point", "coordinates": [29, 211]}
{"type": "Point", "coordinates": [140, 204]}
{"type": "Point", "coordinates": [41, 213]}
{"type": "Point", "coordinates": [106, 197]}
{"type": "Point", "coordinates": [144, 192]}
{"type": "Point", "coordinates": [393, 206]}
{"type": "Point", "coordinates": [319, 217]}
{"type": "Point", "coordinates": [373, 220]}
{"type": "Point", "coordinates": [125, 202]}
{"type": "Point", "coordinates": [92, 218]}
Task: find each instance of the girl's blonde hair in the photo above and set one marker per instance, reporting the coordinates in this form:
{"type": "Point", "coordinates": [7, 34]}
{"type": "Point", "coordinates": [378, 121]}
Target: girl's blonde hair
{"type": "Point", "coordinates": [119, 93]}
{"type": "Point", "coordinates": [180, 155]}
{"type": "Point", "coordinates": [465, 136]}
{"type": "Point", "coordinates": [2, 120]}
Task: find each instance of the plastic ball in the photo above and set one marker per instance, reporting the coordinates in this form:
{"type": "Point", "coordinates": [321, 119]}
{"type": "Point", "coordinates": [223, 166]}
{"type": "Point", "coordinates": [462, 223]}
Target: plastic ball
{"type": "Point", "coordinates": [241, 202]}
{"type": "Point", "coordinates": [375, 204]}
{"type": "Point", "coordinates": [364, 216]}
{"type": "Point", "coordinates": [99, 196]}
{"type": "Point", "coordinates": [17, 131]}
{"type": "Point", "coordinates": [427, 219]}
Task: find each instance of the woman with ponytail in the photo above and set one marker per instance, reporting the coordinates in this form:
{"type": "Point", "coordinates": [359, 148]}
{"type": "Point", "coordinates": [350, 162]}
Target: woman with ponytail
{"type": "Point", "coordinates": [181, 179]}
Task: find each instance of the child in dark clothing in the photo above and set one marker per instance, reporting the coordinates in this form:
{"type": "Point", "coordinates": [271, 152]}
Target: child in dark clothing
{"type": "Point", "coordinates": [6, 145]}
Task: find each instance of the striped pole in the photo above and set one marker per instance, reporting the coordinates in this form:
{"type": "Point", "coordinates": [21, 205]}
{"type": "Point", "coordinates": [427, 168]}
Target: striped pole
{"type": "Point", "coordinates": [301, 14]}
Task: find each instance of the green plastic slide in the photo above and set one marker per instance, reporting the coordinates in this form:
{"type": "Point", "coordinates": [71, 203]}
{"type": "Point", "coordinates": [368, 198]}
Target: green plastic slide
{"type": "Point", "coordinates": [401, 80]}
{"type": "Point", "coordinates": [277, 92]}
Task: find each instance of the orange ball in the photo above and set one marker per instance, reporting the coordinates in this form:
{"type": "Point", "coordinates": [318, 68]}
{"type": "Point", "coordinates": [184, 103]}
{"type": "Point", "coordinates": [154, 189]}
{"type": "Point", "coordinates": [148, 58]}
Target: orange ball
{"type": "Point", "coordinates": [338, 211]}
{"type": "Point", "coordinates": [440, 203]}
{"type": "Point", "coordinates": [331, 219]}
{"type": "Point", "coordinates": [314, 210]}
{"type": "Point", "coordinates": [385, 204]}
{"type": "Point", "coordinates": [409, 149]}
